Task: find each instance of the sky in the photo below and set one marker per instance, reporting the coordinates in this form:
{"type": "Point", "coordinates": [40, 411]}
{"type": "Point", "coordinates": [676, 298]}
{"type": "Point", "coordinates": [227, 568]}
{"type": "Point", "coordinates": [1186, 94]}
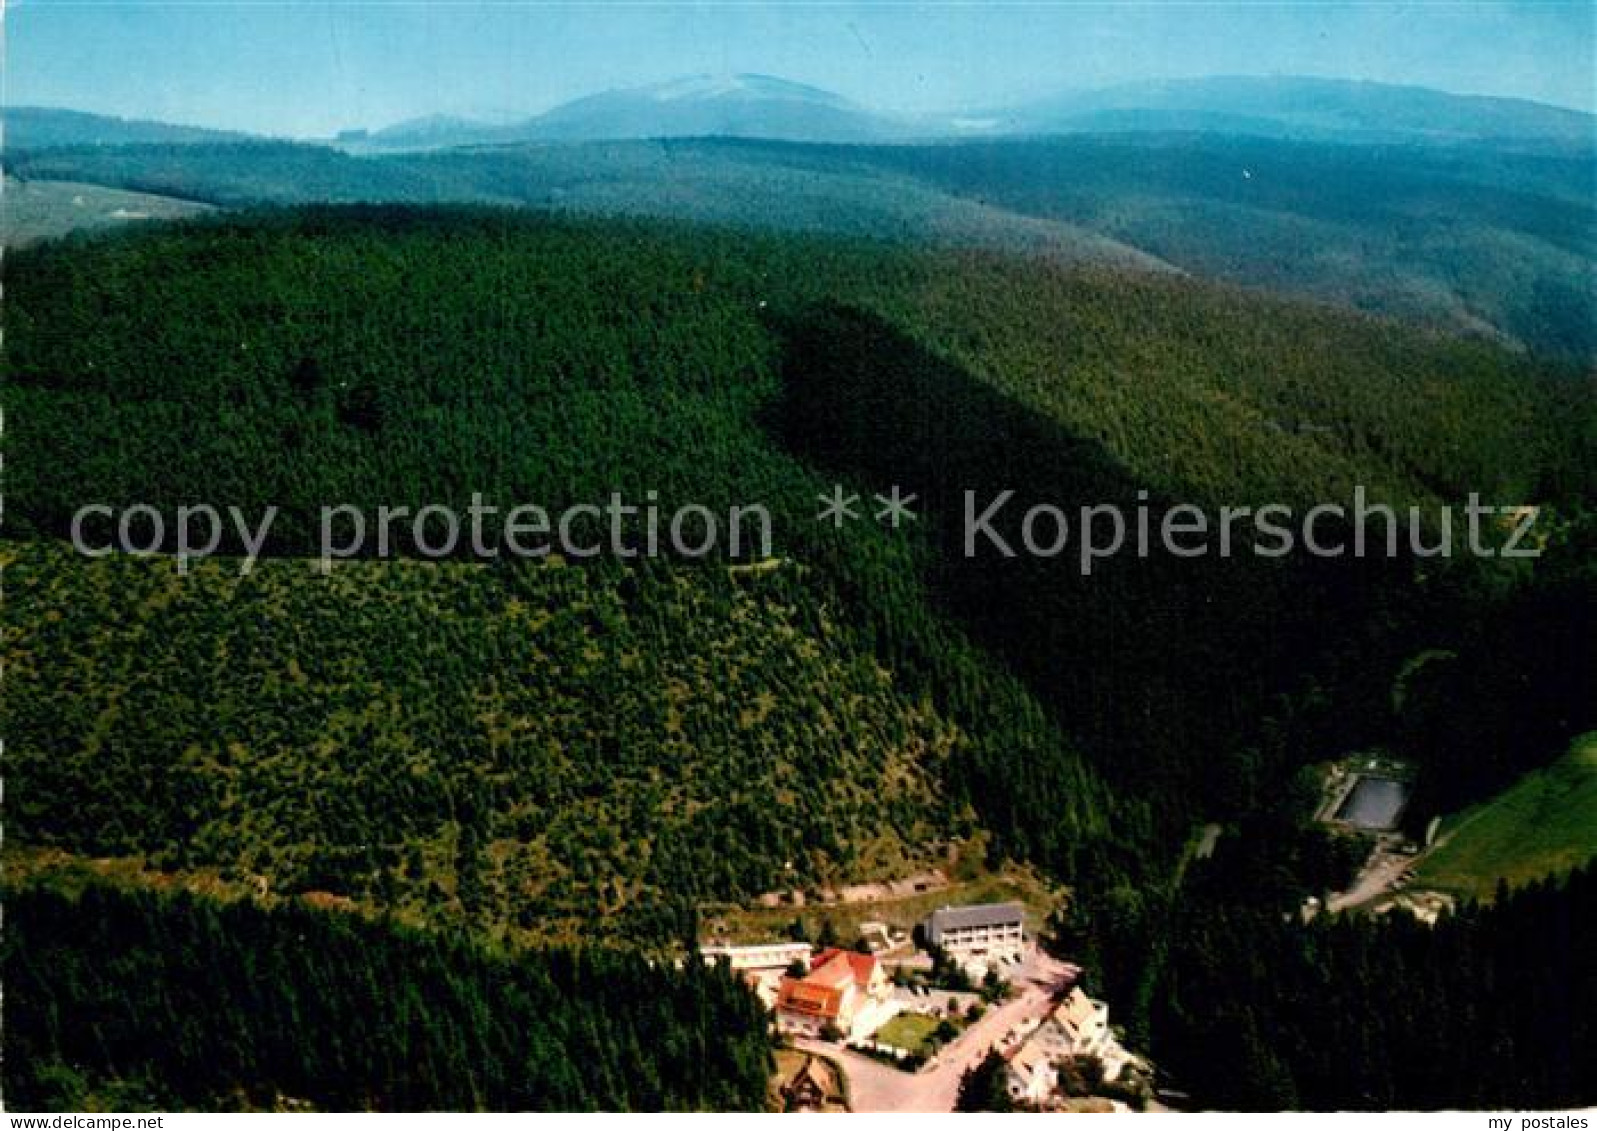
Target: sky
{"type": "Point", "coordinates": [314, 67]}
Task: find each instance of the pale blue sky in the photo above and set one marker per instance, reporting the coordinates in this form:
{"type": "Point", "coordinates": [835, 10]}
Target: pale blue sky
{"type": "Point", "coordinates": [310, 68]}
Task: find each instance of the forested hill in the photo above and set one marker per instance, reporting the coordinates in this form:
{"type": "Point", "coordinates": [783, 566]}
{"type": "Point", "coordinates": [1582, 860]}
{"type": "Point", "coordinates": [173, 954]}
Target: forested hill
{"type": "Point", "coordinates": [1304, 107]}
{"type": "Point", "coordinates": [398, 356]}
{"type": "Point", "coordinates": [563, 748]}
{"type": "Point", "coordinates": [30, 128]}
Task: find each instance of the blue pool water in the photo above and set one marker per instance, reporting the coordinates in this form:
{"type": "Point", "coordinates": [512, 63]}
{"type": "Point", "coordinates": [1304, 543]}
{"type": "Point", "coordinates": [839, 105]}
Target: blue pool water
{"type": "Point", "coordinates": [1374, 803]}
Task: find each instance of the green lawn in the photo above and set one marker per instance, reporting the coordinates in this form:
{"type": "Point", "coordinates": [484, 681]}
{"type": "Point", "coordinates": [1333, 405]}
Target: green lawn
{"type": "Point", "coordinates": [1545, 823]}
{"type": "Point", "coordinates": [39, 210]}
{"type": "Point", "coordinates": [908, 1031]}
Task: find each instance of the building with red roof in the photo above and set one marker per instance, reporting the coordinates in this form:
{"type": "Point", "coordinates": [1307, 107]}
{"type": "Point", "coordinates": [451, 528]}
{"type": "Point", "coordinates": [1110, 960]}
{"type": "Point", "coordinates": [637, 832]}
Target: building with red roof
{"type": "Point", "coordinates": [843, 989]}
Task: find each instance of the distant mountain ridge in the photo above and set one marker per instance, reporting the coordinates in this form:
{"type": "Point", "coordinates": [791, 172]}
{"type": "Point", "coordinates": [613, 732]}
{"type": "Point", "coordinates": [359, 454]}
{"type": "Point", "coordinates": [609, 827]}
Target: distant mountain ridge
{"type": "Point", "coordinates": [745, 105]}
{"type": "Point", "coordinates": [41, 127]}
{"type": "Point", "coordinates": [1368, 196]}
{"type": "Point", "coordinates": [763, 107]}
{"type": "Point", "coordinates": [766, 108]}
{"type": "Point", "coordinates": [1298, 107]}
{"type": "Point", "coordinates": [1477, 238]}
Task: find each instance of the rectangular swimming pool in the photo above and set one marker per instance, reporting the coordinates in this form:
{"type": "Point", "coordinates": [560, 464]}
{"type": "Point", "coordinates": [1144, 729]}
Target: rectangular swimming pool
{"type": "Point", "coordinates": [1374, 803]}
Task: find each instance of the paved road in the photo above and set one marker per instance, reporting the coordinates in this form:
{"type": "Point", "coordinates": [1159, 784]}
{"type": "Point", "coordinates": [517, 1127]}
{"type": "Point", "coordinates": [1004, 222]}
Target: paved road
{"type": "Point", "coordinates": [874, 1086]}
{"type": "Point", "coordinates": [1378, 878]}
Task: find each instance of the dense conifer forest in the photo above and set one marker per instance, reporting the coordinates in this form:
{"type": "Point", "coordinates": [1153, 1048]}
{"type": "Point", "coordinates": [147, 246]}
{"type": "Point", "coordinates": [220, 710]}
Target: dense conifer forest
{"type": "Point", "coordinates": [532, 751]}
{"type": "Point", "coordinates": [1491, 1008]}
{"type": "Point", "coordinates": [1490, 239]}
{"type": "Point", "coordinates": [535, 749]}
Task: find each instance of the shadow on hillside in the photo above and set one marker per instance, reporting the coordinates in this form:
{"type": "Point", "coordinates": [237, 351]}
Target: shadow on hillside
{"type": "Point", "coordinates": [1162, 667]}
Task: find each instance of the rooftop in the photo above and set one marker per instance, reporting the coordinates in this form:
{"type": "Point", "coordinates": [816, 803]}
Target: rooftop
{"type": "Point", "coordinates": [820, 992]}
{"type": "Point", "coordinates": [834, 966]}
{"type": "Point", "coordinates": [1078, 1012]}
{"type": "Point", "coordinates": [975, 915]}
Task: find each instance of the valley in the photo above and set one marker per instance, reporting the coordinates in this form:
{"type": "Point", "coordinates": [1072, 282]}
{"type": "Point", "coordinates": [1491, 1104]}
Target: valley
{"type": "Point", "coordinates": [449, 830]}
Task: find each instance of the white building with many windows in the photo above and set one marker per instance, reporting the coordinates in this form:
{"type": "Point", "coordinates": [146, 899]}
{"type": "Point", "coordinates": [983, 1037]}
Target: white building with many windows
{"type": "Point", "coordinates": [979, 933]}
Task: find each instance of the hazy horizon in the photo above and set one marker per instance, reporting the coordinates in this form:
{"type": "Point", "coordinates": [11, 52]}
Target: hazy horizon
{"type": "Point", "coordinates": [312, 69]}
